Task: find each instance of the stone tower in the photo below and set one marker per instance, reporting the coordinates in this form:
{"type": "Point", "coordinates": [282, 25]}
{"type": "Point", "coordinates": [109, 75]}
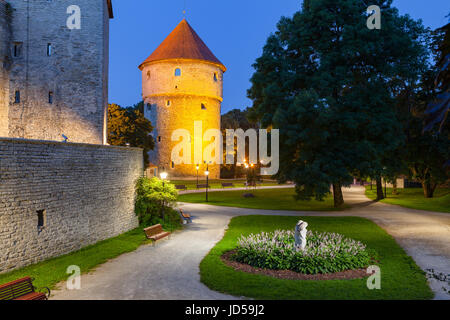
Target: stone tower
{"type": "Point", "coordinates": [55, 78]}
{"type": "Point", "coordinates": [5, 38]}
{"type": "Point", "coordinates": [182, 82]}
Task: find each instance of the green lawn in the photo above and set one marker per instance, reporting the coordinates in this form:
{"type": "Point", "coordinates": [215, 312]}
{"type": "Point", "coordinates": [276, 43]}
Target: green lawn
{"type": "Point", "coordinates": [216, 184]}
{"type": "Point", "coordinates": [414, 198]}
{"type": "Point", "coordinates": [48, 273]}
{"type": "Point", "coordinates": [401, 278]}
{"type": "Point", "coordinates": [271, 199]}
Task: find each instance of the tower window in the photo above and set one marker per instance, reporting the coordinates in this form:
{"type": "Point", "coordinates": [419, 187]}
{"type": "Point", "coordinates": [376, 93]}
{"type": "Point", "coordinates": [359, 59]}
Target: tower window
{"type": "Point", "coordinates": [17, 97]}
{"type": "Point", "coordinates": [215, 76]}
{"type": "Point", "coordinates": [168, 103]}
{"type": "Point", "coordinates": [159, 138]}
{"type": "Point", "coordinates": [42, 219]}
{"type": "Point", "coordinates": [50, 97]}
{"type": "Point", "coordinates": [173, 164]}
{"type": "Point", "coordinates": [203, 107]}
{"type": "Point", "coordinates": [49, 49]}
{"type": "Point", "coordinates": [17, 49]}
{"type": "Point", "coordinates": [177, 72]}
{"type": "Point", "coordinates": [148, 75]}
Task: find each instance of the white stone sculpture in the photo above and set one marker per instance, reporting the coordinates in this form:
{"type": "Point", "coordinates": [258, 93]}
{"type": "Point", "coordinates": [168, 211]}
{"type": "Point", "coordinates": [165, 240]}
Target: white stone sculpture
{"type": "Point", "coordinates": [300, 235]}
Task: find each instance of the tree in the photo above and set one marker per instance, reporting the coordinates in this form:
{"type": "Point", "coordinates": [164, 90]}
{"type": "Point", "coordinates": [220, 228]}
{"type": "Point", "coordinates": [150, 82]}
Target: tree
{"type": "Point", "coordinates": [437, 111]}
{"type": "Point", "coordinates": [426, 152]}
{"type": "Point", "coordinates": [234, 119]}
{"type": "Point", "coordinates": [153, 196]}
{"type": "Point", "coordinates": [129, 127]}
{"type": "Point", "coordinates": [326, 81]}
{"type": "Point", "coordinates": [426, 157]}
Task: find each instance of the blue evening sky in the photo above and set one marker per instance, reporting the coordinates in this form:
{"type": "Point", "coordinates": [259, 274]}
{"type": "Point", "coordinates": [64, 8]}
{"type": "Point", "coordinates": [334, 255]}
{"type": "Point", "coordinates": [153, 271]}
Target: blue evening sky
{"type": "Point", "coordinates": [234, 30]}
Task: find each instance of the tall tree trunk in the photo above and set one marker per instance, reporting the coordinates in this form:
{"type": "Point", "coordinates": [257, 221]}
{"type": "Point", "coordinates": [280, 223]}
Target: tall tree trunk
{"type": "Point", "coordinates": [337, 195]}
{"type": "Point", "coordinates": [428, 189]}
{"type": "Point", "coordinates": [394, 186]}
{"type": "Point", "coordinates": [380, 195]}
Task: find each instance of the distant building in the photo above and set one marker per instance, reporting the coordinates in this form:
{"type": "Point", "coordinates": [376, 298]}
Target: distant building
{"type": "Point", "coordinates": [182, 82]}
{"type": "Point", "coordinates": [54, 80]}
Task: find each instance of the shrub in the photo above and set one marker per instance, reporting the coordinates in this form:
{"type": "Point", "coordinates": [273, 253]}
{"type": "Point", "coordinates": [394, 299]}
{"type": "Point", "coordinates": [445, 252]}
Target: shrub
{"type": "Point", "coordinates": [155, 200]}
{"type": "Point", "coordinates": [171, 221]}
{"type": "Point", "coordinates": [324, 252]}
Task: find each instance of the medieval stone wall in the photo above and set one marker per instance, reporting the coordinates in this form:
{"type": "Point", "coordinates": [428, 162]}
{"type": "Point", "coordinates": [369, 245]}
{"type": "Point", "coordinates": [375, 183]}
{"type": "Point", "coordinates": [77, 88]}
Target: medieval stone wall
{"type": "Point", "coordinates": [176, 102]}
{"type": "Point", "coordinates": [5, 34]}
{"type": "Point", "coordinates": [75, 73]}
{"type": "Point", "coordinates": [86, 193]}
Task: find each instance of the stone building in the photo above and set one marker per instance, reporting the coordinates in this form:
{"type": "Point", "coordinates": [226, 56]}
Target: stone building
{"type": "Point", "coordinates": [5, 34]}
{"type": "Point", "coordinates": [54, 79]}
{"type": "Point", "coordinates": [182, 83]}
{"type": "Point", "coordinates": [58, 197]}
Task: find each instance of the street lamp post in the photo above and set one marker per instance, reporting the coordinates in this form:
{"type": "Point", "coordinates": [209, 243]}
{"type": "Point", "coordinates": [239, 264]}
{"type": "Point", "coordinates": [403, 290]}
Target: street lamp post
{"type": "Point", "coordinates": [197, 167]}
{"type": "Point", "coordinates": [207, 181]}
{"type": "Point", "coordinates": [163, 176]}
{"type": "Point", "coordinates": [252, 175]}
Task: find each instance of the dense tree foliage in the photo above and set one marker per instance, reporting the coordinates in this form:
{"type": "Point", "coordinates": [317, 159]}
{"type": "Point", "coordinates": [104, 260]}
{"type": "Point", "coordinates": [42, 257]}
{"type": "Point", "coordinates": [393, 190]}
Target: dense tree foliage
{"type": "Point", "coordinates": [328, 83]}
{"type": "Point", "coordinates": [235, 119]}
{"type": "Point", "coordinates": [438, 109]}
{"type": "Point", "coordinates": [155, 199]}
{"type": "Point", "coordinates": [424, 154]}
{"type": "Point", "coordinates": [129, 127]}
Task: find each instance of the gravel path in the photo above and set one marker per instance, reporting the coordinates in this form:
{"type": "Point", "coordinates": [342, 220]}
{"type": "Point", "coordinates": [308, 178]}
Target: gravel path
{"type": "Point", "coordinates": [170, 269]}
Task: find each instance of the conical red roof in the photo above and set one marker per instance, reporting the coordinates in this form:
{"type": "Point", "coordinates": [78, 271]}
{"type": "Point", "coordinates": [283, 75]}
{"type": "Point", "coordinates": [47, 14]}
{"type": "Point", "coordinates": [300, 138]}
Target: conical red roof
{"type": "Point", "coordinates": [183, 43]}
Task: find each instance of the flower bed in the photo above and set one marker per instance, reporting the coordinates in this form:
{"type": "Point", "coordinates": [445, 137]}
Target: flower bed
{"type": "Point", "coordinates": [324, 252]}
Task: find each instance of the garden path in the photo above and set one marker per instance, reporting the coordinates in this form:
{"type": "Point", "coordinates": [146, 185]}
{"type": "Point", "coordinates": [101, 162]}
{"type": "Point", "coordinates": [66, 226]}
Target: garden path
{"type": "Point", "coordinates": [170, 269]}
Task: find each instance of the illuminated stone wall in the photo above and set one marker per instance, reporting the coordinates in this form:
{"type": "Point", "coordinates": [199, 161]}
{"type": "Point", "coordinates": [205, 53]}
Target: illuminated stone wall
{"type": "Point", "coordinates": [76, 72]}
{"type": "Point", "coordinates": [87, 192]}
{"type": "Point", "coordinates": [199, 83]}
{"type": "Point", "coordinates": [4, 64]}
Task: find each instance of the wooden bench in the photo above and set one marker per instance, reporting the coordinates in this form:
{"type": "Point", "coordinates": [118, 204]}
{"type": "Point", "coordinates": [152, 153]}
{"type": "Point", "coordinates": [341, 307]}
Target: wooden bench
{"type": "Point", "coordinates": [201, 186]}
{"type": "Point", "coordinates": [185, 216]}
{"type": "Point", "coordinates": [21, 289]}
{"type": "Point", "coordinates": [180, 187]}
{"type": "Point", "coordinates": [227, 184]}
{"type": "Point", "coordinates": [156, 232]}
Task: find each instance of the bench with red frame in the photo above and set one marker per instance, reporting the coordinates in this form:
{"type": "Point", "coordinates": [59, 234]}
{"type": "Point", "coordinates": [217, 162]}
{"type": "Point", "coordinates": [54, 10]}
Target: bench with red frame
{"type": "Point", "coordinates": [180, 187]}
{"type": "Point", "coordinates": [21, 289]}
{"type": "Point", "coordinates": [201, 186]}
{"type": "Point", "coordinates": [156, 232]}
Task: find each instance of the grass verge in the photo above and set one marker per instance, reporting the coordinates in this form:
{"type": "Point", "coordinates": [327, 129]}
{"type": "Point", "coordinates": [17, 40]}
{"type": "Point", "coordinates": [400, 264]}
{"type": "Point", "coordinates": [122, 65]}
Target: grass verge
{"type": "Point", "coordinates": [270, 199]}
{"type": "Point", "coordinates": [414, 198]}
{"type": "Point", "coordinates": [401, 278]}
{"type": "Point", "coordinates": [49, 272]}
{"type": "Point", "coordinates": [217, 184]}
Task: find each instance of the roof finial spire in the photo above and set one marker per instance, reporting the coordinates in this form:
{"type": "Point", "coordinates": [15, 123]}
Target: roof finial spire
{"type": "Point", "coordinates": [184, 10]}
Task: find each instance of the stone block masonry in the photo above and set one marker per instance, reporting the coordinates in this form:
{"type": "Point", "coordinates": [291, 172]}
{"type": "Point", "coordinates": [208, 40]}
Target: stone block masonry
{"type": "Point", "coordinates": [57, 77]}
{"type": "Point", "coordinates": [5, 35]}
{"type": "Point", "coordinates": [56, 198]}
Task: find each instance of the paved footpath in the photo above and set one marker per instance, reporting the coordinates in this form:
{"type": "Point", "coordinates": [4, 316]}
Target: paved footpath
{"type": "Point", "coordinates": [170, 269]}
